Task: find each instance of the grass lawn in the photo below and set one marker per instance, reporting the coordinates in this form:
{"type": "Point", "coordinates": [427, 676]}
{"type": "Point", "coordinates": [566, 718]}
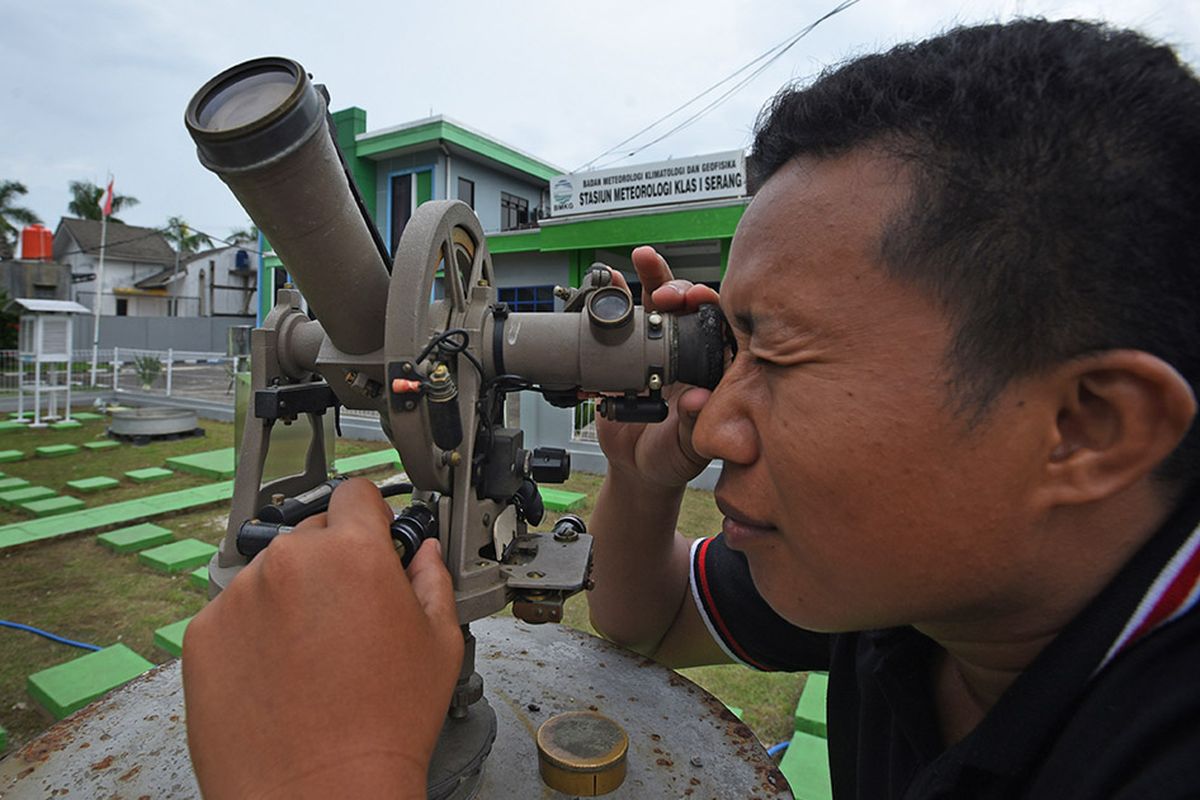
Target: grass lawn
{"type": "Point", "coordinates": [78, 589]}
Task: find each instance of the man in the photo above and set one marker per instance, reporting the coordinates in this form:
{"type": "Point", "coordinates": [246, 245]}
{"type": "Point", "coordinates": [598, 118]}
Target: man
{"type": "Point", "coordinates": [959, 464]}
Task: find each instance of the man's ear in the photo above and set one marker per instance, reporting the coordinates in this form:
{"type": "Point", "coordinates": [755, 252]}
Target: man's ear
{"type": "Point", "coordinates": [1120, 414]}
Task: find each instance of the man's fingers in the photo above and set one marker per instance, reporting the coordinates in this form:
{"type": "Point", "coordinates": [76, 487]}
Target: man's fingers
{"type": "Point", "coordinates": [652, 270]}
{"type": "Point", "coordinates": [357, 505]}
{"type": "Point", "coordinates": [698, 294]}
{"type": "Point", "coordinates": [431, 583]}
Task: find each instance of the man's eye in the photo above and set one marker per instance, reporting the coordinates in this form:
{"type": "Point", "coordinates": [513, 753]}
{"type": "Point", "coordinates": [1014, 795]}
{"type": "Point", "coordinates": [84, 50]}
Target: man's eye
{"type": "Point", "coordinates": [731, 346]}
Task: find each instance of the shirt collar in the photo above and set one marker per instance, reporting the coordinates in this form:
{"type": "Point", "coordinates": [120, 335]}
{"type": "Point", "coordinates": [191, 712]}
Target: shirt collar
{"type": "Point", "coordinates": [1158, 585]}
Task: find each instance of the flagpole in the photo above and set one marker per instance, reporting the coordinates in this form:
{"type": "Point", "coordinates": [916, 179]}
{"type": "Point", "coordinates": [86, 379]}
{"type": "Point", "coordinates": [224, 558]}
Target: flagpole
{"type": "Point", "coordinates": [100, 284]}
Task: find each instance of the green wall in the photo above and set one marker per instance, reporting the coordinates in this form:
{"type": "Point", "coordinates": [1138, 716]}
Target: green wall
{"type": "Point", "coordinates": [348, 123]}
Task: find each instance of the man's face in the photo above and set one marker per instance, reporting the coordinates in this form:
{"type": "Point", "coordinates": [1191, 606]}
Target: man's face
{"type": "Point", "coordinates": [858, 494]}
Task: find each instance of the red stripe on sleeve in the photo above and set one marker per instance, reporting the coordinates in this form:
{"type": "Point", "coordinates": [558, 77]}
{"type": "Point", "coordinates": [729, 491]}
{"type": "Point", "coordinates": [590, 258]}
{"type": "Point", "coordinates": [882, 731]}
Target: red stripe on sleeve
{"type": "Point", "coordinates": [702, 579]}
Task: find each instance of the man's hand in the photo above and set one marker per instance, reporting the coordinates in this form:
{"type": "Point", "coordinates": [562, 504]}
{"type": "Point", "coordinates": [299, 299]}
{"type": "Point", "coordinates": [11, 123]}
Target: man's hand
{"type": "Point", "coordinates": [660, 454]}
{"type": "Point", "coordinates": [323, 669]}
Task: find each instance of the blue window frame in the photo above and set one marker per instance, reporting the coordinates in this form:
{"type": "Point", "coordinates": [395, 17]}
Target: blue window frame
{"type": "Point", "coordinates": [528, 298]}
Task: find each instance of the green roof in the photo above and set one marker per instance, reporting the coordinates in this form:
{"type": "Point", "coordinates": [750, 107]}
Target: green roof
{"type": "Point", "coordinates": [378, 144]}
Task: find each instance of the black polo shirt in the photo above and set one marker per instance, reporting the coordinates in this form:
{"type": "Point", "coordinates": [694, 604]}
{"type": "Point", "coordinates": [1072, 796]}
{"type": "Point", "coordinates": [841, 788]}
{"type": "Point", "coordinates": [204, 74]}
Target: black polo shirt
{"type": "Point", "coordinates": [1110, 709]}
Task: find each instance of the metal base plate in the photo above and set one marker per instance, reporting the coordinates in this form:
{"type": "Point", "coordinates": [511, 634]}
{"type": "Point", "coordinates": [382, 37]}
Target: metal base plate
{"type": "Point", "coordinates": [682, 741]}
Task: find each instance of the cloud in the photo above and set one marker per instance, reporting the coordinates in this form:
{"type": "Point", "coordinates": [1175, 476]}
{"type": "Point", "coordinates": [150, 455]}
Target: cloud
{"type": "Point", "coordinates": [95, 88]}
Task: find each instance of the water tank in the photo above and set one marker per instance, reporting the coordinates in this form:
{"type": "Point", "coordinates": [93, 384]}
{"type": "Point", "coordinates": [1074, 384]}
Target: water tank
{"type": "Point", "coordinates": [37, 243]}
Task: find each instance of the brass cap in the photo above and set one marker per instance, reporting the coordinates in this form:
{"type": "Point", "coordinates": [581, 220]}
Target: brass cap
{"type": "Point", "coordinates": [582, 753]}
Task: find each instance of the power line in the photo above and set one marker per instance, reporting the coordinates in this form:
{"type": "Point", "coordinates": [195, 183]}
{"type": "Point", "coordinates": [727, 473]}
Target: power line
{"type": "Point", "coordinates": [772, 55]}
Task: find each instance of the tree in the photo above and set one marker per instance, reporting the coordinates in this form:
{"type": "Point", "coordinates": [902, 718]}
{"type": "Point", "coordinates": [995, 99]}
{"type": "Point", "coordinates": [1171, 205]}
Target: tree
{"type": "Point", "coordinates": [87, 201]}
{"type": "Point", "coordinates": [244, 236]}
{"type": "Point", "coordinates": [10, 214]}
{"type": "Point", "coordinates": [185, 240]}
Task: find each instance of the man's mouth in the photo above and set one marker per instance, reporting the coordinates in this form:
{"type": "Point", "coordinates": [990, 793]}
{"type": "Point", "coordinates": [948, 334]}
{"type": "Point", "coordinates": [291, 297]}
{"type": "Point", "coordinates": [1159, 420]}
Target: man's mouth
{"type": "Point", "coordinates": [740, 528]}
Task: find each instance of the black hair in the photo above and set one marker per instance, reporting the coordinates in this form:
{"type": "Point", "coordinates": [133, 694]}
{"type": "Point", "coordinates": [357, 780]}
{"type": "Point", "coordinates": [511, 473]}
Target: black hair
{"type": "Point", "coordinates": [1056, 192]}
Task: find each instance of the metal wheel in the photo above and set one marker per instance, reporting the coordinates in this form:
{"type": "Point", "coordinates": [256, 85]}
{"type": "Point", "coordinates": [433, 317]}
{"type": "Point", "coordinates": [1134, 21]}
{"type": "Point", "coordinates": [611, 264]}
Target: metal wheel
{"type": "Point", "coordinates": [442, 247]}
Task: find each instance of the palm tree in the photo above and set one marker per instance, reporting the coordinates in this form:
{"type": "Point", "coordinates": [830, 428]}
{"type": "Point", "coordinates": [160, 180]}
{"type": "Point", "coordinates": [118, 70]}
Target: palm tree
{"type": "Point", "coordinates": [87, 201]}
{"type": "Point", "coordinates": [244, 236]}
{"type": "Point", "coordinates": [9, 214]}
{"type": "Point", "coordinates": [186, 240]}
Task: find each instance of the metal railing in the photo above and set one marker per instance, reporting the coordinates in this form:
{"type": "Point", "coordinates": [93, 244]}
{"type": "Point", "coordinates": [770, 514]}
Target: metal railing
{"type": "Point", "coordinates": [584, 429]}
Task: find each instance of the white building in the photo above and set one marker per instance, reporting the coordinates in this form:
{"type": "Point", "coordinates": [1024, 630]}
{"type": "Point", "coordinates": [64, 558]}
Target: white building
{"type": "Point", "coordinates": [132, 254]}
{"type": "Point", "coordinates": [224, 281]}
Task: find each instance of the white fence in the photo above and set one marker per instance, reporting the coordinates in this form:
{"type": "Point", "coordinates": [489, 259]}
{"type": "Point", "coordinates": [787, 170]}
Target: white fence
{"type": "Point", "coordinates": [170, 372]}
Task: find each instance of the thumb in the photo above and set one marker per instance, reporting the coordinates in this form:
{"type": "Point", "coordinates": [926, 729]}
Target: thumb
{"type": "Point", "coordinates": [432, 585]}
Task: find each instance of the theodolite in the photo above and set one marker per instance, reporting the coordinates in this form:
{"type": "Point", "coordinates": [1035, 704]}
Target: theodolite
{"type": "Point", "coordinates": [420, 338]}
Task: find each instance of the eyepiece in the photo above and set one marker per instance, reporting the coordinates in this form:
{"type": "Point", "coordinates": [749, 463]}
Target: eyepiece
{"type": "Point", "coordinates": [700, 347]}
{"type": "Point", "coordinates": [253, 112]}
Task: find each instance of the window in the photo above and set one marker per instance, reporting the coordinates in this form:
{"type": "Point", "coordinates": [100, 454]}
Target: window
{"type": "Point", "coordinates": [401, 206]}
{"type": "Point", "coordinates": [528, 298]}
{"type": "Point", "coordinates": [514, 212]}
{"type": "Point", "coordinates": [466, 191]}
{"type": "Point", "coordinates": [122, 307]}
{"type": "Point", "coordinates": [407, 191]}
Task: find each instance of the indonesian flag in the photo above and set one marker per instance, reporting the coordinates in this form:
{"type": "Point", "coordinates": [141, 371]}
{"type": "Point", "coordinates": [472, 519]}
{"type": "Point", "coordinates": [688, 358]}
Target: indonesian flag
{"type": "Point", "coordinates": [108, 199]}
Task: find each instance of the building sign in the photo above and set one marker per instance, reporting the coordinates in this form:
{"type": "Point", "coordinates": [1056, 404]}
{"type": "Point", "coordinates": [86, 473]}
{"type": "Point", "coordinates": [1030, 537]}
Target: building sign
{"type": "Point", "coordinates": [681, 180]}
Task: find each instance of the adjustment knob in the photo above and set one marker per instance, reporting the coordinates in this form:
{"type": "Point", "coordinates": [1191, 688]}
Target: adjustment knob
{"type": "Point", "coordinates": [550, 465]}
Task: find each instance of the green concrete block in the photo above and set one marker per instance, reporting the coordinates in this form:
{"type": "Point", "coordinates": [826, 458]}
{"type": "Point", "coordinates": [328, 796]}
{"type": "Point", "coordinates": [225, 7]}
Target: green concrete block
{"type": "Point", "coordinates": [135, 537]}
{"type": "Point", "coordinates": [148, 474]}
{"type": "Point", "coordinates": [56, 450]}
{"type": "Point", "coordinates": [20, 415]}
{"type": "Point", "coordinates": [560, 499]}
{"type": "Point", "coordinates": [12, 425]}
{"type": "Point", "coordinates": [199, 578]}
{"type": "Point", "coordinates": [366, 461]}
{"type": "Point", "coordinates": [7, 456]}
{"type": "Point", "coordinates": [805, 764]}
{"type": "Point", "coordinates": [26, 494]}
{"type": "Point", "coordinates": [87, 416]}
{"type": "Point", "coordinates": [12, 535]}
{"type": "Point", "coordinates": [112, 515]}
{"type": "Point", "coordinates": [67, 424]}
{"type": "Point", "coordinates": [52, 506]}
{"type": "Point", "coordinates": [170, 637]}
{"type": "Point", "coordinates": [216, 464]}
{"type": "Point", "coordinates": [810, 711]}
{"type": "Point", "coordinates": [178, 556]}
{"type": "Point", "coordinates": [8, 484]}
{"type": "Point", "coordinates": [96, 484]}
{"type": "Point", "coordinates": [68, 687]}
{"type": "Point", "coordinates": [104, 444]}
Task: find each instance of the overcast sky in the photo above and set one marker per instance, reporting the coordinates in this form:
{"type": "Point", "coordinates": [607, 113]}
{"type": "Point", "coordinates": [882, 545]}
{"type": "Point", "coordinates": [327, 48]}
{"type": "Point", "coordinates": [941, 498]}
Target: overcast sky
{"type": "Point", "coordinates": [93, 88]}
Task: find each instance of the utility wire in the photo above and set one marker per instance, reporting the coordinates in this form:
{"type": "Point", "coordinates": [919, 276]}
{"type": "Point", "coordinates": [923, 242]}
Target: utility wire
{"type": "Point", "coordinates": [772, 55]}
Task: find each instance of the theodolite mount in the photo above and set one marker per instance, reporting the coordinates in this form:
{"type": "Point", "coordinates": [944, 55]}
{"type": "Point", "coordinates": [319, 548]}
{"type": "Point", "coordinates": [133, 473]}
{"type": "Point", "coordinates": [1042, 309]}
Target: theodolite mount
{"type": "Point", "coordinates": [421, 339]}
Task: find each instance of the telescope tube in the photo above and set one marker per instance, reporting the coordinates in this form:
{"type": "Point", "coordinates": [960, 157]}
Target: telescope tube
{"type": "Point", "coordinates": [262, 127]}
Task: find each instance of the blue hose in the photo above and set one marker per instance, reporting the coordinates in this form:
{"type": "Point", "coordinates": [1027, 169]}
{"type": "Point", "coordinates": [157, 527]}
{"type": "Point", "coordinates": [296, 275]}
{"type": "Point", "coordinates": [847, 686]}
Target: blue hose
{"type": "Point", "coordinates": [84, 645]}
{"type": "Point", "coordinates": [776, 749]}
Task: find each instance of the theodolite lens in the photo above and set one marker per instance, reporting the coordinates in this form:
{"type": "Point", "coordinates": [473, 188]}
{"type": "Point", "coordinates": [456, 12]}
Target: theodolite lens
{"type": "Point", "coordinates": [248, 98]}
{"type": "Point", "coordinates": [253, 112]}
